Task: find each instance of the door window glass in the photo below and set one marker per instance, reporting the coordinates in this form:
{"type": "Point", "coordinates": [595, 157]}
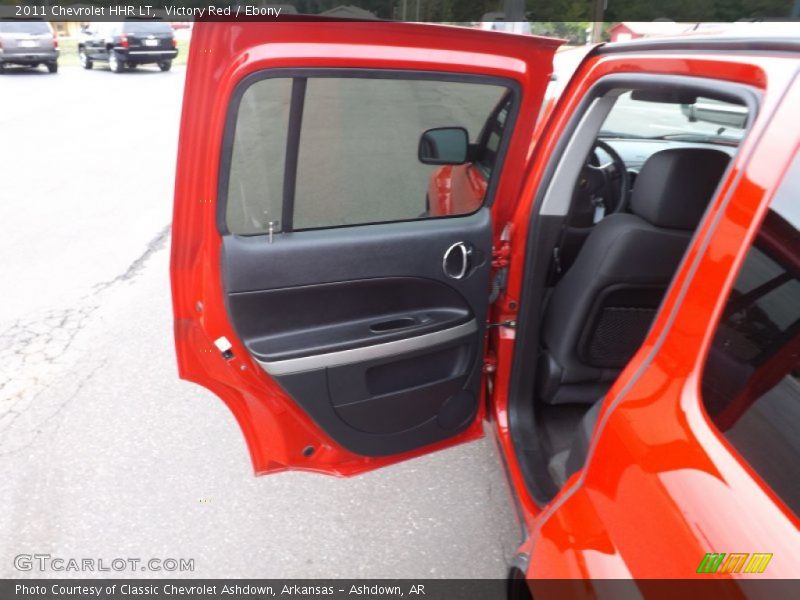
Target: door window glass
{"type": "Point", "coordinates": [345, 150]}
{"type": "Point", "coordinates": [255, 188]}
{"type": "Point", "coordinates": [751, 384]}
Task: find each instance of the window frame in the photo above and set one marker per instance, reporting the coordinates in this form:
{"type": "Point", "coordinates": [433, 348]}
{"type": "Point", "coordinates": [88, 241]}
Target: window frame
{"type": "Point", "coordinates": [294, 127]}
{"type": "Point", "coordinates": [546, 207]}
{"type": "Point", "coordinates": [785, 187]}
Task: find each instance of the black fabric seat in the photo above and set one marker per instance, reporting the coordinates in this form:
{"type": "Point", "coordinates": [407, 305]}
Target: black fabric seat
{"type": "Point", "coordinates": [600, 311]}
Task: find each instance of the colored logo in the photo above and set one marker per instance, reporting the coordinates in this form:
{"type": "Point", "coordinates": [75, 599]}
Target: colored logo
{"type": "Point", "coordinates": [720, 563]}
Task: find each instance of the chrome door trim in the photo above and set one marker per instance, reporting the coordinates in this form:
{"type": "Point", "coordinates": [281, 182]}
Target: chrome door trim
{"type": "Point", "coordinates": [354, 355]}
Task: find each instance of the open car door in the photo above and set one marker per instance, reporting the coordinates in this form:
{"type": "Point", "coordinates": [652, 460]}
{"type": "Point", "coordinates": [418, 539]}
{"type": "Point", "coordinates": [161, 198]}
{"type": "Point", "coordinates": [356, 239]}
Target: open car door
{"type": "Point", "coordinates": [314, 290]}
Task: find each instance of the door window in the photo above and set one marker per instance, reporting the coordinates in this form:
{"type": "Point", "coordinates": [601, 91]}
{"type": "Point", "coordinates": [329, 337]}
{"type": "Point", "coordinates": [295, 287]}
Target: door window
{"type": "Point", "coordinates": [328, 151]}
{"type": "Point", "coordinates": [751, 385]}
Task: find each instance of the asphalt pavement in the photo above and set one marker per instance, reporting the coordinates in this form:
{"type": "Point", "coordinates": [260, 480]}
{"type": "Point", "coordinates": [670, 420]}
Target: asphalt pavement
{"type": "Point", "coordinates": [104, 452]}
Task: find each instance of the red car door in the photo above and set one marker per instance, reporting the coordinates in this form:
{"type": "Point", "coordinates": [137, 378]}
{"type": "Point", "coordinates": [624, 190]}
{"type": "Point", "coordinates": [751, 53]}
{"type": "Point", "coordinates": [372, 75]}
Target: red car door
{"type": "Point", "coordinates": [339, 321]}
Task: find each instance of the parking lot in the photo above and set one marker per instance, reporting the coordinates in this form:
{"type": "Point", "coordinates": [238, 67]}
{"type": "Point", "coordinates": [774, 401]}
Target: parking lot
{"type": "Point", "coordinates": [104, 452]}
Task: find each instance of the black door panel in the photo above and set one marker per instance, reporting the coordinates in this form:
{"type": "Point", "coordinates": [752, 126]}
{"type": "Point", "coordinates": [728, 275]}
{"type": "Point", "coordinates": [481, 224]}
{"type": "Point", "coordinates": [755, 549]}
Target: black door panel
{"type": "Point", "coordinates": [395, 395]}
{"type": "Point", "coordinates": [409, 417]}
{"type": "Point", "coordinates": [330, 255]}
{"type": "Point", "coordinates": [343, 315]}
{"type": "Point", "coordinates": [364, 329]}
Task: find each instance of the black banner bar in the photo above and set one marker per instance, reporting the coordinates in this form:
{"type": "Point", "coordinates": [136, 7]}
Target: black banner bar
{"type": "Point", "coordinates": [428, 589]}
{"type": "Point", "coordinates": [446, 11]}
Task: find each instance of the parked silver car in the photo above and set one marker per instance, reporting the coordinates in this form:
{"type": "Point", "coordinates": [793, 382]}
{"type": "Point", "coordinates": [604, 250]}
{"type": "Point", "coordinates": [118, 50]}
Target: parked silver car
{"type": "Point", "coordinates": [28, 43]}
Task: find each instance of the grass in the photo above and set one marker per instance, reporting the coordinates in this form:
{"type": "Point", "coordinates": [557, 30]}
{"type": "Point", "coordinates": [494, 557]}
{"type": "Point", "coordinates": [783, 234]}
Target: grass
{"type": "Point", "coordinates": [69, 52]}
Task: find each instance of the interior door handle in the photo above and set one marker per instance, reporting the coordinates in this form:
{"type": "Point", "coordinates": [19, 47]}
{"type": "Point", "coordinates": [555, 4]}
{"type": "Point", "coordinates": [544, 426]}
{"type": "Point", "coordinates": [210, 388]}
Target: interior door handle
{"type": "Point", "coordinates": [393, 324]}
{"type": "Point", "coordinates": [456, 261]}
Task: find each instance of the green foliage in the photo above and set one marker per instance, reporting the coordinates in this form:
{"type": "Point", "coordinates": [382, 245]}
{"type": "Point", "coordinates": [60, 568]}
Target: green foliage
{"type": "Point", "coordinates": [572, 31]}
{"type": "Point", "coordinates": [449, 10]}
{"type": "Point", "coordinates": [559, 10]}
{"type": "Point", "coordinates": [647, 10]}
{"type": "Point", "coordinates": [381, 8]}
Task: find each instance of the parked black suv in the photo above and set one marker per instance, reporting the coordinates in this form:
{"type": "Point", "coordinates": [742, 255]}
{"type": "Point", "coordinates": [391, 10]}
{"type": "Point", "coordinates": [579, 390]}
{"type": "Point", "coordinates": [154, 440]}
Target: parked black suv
{"type": "Point", "coordinates": [28, 43]}
{"type": "Point", "coordinates": [127, 44]}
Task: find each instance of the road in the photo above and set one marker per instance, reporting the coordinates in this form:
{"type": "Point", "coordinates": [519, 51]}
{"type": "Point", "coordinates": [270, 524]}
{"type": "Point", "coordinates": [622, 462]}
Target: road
{"type": "Point", "coordinates": [104, 453]}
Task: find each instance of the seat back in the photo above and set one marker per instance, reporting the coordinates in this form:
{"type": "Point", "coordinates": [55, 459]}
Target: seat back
{"type": "Point", "coordinates": [600, 311]}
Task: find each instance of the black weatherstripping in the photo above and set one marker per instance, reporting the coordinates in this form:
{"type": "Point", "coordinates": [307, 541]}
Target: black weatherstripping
{"type": "Point", "coordinates": [704, 44]}
{"type": "Point", "coordinates": [313, 293]}
{"type": "Point", "coordinates": [299, 85]}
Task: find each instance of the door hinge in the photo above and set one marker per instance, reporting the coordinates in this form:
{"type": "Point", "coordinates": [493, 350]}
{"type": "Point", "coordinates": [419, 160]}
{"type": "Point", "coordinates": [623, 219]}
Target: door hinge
{"type": "Point", "coordinates": [501, 254]}
{"type": "Point", "coordinates": [501, 257]}
{"type": "Point", "coordinates": [489, 364]}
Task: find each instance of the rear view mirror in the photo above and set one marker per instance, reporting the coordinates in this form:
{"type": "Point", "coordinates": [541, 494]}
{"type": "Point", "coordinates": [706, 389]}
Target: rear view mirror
{"type": "Point", "coordinates": [719, 113]}
{"type": "Point", "coordinates": [664, 96]}
{"type": "Point", "coordinates": [444, 146]}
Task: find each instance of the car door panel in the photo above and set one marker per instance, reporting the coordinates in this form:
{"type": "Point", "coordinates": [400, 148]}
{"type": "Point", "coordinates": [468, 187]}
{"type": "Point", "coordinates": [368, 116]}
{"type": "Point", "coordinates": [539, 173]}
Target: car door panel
{"type": "Point", "coordinates": [345, 348]}
{"type": "Point", "coordinates": [365, 312]}
{"type": "Point", "coordinates": [382, 361]}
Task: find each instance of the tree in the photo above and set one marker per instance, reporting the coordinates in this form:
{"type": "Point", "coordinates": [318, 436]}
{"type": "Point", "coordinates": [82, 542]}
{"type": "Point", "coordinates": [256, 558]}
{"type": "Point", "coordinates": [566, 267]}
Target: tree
{"type": "Point", "coordinates": [572, 31]}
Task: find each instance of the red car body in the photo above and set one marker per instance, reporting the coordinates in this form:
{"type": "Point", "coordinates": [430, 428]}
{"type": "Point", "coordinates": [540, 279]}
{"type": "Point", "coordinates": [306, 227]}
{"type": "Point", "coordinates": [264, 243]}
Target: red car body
{"type": "Point", "coordinates": [456, 190]}
{"type": "Point", "coordinates": [661, 487]}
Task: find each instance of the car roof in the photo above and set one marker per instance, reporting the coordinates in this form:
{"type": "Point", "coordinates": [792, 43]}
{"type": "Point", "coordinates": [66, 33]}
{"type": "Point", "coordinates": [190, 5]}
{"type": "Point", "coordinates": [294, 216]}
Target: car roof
{"type": "Point", "coordinates": [705, 43]}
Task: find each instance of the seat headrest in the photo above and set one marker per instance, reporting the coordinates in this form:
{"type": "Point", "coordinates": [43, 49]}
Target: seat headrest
{"type": "Point", "coordinates": [674, 186]}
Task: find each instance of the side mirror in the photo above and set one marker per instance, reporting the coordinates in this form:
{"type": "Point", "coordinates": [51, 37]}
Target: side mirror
{"type": "Point", "coordinates": [444, 146]}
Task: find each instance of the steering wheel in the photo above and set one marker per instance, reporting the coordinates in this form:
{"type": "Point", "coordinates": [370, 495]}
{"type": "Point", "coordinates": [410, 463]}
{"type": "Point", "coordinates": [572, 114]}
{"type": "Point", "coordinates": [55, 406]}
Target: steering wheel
{"type": "Point", "coordinates": [599, 181]}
